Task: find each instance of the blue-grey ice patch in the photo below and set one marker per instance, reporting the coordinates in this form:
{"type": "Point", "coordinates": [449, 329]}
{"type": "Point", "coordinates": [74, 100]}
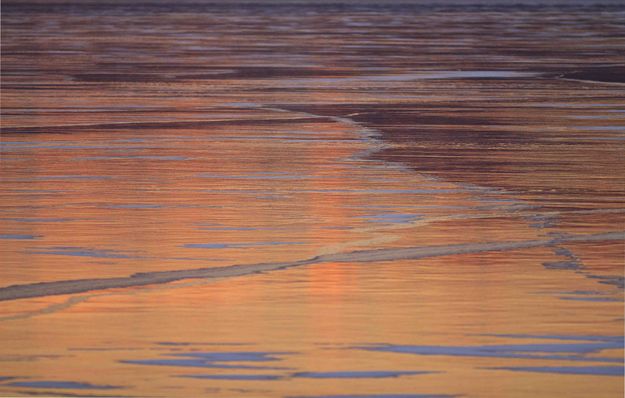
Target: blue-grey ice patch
{"type": "Point", "coordinates": [589, 295]}
{"type": "Point", "coordinates": [215, 360]}
{"type": "Point", "coordinates": [19, 237]}
{"type": "Point", "coordinates": [239, 377]}
{"type": "Point", "coordinates": [77, 251]}
{"type": "Point", "coordinates": [70, 385]}
{"type": "Point", "coordinates": [611, 339]}
{"type": "Point", "coordinates": [595, 299]}
{"type": "Point", "coordinates": [243, 356]}
{"type": "Point", "coordinates": [195, 363]}
{"type": "Point", "coordinates": [573, 370]}
{"type": "Point", "coordinates": [541, 221]}
{"type": "Point", "coordinates": [615, 280]}
{"type": "Point", "coordinates": [585, 292]}
{"type": "Point", "coordinates": [392, 218]}
{"type": "Point", "coordinates": [358, 374]}
{"type": "Point", "coordinates": [562, 251]}
{"type": "Point", "coordinates": [572, 263]}
{"type": "Point", "coordinates": [563, 265]}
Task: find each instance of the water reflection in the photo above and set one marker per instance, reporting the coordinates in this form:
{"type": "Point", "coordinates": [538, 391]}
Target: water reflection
{"type": "Point", "coordinates": [298, 201]}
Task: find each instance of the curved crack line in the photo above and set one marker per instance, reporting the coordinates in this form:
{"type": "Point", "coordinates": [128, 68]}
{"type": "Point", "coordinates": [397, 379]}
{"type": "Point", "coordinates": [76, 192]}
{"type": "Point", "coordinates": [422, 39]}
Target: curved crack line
{"type": "Point", "coordinates": [45, 289]}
